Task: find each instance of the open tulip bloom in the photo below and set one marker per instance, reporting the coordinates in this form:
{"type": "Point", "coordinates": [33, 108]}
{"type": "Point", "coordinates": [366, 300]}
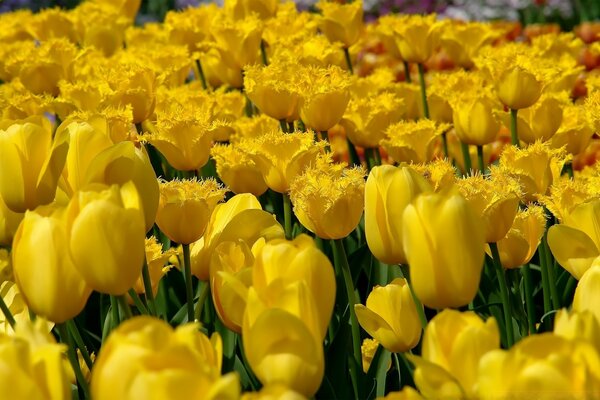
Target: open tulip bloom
{"type": "Point", "coordinates": [256, 202]}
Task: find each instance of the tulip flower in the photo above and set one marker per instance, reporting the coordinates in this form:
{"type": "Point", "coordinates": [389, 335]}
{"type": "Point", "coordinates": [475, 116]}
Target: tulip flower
{"type": "Point", "coordinates": [407, 393]}
{"type": "Point", "coordinates": [158, 266]}
{"type": "Point", "coordinates": [368, 348]}
{"type": "Point", "coordinates": [391, 316]}
{"type": "Point", "coordinates": [134, 84]}
{"type": "Point", "coordinates": [41, 251]}
{"type": "Point", "coordinates": [240, 9]}
{"type": "Point", "coordinates": [9, 222]}
{"type": "Point", "coordinates": [328, 199]}
{"type": "Point", "coordinates": [15, 302]}
{"type": "Point", "coordinates": [586, 293]}
{"type": "Point", "coordinates": [106, 226]}
{"type": "Point", "coordinates": [191, 26]}
{"type": "Point", "coordinates": [462, 41]}
{"type": "Point", "coordinates": [443, 240]}
{"type": "Point", "coordinates": [341, 22]}
{"type": "Point", "coordinates": [101, 25]}
{"type": "Point", "coordinates": [575, 131]}
{"type": "Point", "coordinates": [241, 217]}
{"type": "Point", "coordinates": [409, 141]}
{"type": "Point", "coordinates": [237, 170]}
{"type": "Point", "coordinates": [388, 191]}
{"type": "Point", "coordinates": [440, 173]}
{"type": "Point", "coordinates": [30, 163]}
{"type": "Point", "coordinates": [540, 366]}
{"type": "Point", "coordinates": [578, 325]}
{"type": "Point", "coordinates": [187, 364]}
{"type": "Point", "coordinates": [367, 118]}
{"type": "Point", "coordinates": [476, 131]}
{"type": "Point", "coordinates": [522, 240]}
{"type": "Point", "coordinates": [453, 345]}
{"type": "Point", "coordinates": [238, 41]}
{"type": "Point", "coordinates": [185, 207]}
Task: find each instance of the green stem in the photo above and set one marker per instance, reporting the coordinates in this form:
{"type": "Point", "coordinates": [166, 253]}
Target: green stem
{"type": "Point", "coordinates": [66, 338]}
{"type": "Point", "coordinates": [114, 312]}
{"type": "Point", "coordinates": [529, 304]}
{"type": "Point", "coordinates": [480, 159]}
{"type": "Point", "coordinates": [407, 77]}
{"type": "Point", "coordinates": [569, 168]}
{"type": "Point", "coordinates": [287, 216]}
{"type": "Point", "coordinates": [201, 76]}
{"type": "Point", "coordinates": [551, 278]}
{"type": "Point", "coordinates": [545, 282]}
{"type": "Point", "coordinates": [124, 307]}
{"type": "Point", "coordinates": [74, 331]}
{"type": "Point", "coordinates": [325, 136]}
{"type": "Point", "coordinates": [504, 295]}
{"type": "Point", "coordinates": [397, 362]}
{"type": "Point", "coordinates": [341, 261]}
{"type": "Point", "coordinates": [568, 292]}
{"type": "Point", "coordinates": [148, 288]}
{"type": "Point", "coordinates": [404, 273]}
{"type": "Point", "coordinates": [445, 145]}
{"type": "Point", "coordinates": [263, 53]}
{"type": "Point", "coordinates": [7, 314]}
{"type": "Point", "coordinates": [370, 158]}
{"type": "Point", "coordinates": [348, 60]}
{"type": "Point", "coordinates": [187, 270]}
{"type": "Point", "coordinates": [204, 291]}
{"type": "Point", "coordinates": [513, 127]}
{"type": "Point", "coordinates": [137, 301]}
{"type": "Point", "coordinates": [283, 125]}
{"type": "Point", "coordinates": [291, 127]}
{"type": "Point", "coordinates": [466, 158]}
{"type": "Point", "coordinates": [354, 158]}
{"type": "Point", "coordinates": [423, 90]}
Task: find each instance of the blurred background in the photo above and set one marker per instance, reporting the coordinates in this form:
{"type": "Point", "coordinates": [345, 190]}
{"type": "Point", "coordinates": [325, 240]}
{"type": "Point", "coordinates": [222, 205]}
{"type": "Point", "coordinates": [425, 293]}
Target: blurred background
{"type": "Point", "coordinates": [566, 13]}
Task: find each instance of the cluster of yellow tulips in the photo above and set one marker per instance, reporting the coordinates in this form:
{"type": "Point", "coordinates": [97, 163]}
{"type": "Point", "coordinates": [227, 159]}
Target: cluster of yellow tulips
{"type": "Point", "coordinates": [260, 203]}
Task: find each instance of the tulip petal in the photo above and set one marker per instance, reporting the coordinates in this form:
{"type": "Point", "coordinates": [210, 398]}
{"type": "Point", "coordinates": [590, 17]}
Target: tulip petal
{"type": "Point", "coordinates": [572, 248]}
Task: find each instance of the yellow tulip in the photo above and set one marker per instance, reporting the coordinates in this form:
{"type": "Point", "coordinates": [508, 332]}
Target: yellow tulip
{"type": "Point", "coordinates": [410, 93]}
{"type": "Point", "coordinates": [566, 194]}
{"type": "Point", "coordinates": [273, 89]}
{"type": "Point", "coordinates": [274, 391]}
{"type": "Point", "coordinates": [536, 167]}
{"type": "Point", "coordinates": [476, 131]}
{"type": "Point", "coordinates": [157, 264]}
{"type": "Point", "coordinates": [325, 96]}
{"type": "Point", "coordinates": [521, 242]}
{"type": "Point", "coordinates": [440, 173]}
{"type": "Point", "coordinates": [238, 41]}
{"type": "Point", "coordinates": [575, 131]}
{"type": "Point", "coordinates": [544, 366]}
{"type": "Point", "coordinates": [453, 345]}
{"type": "Point", "coordinates": [185, 365]}
{"type": "Point", "coordinates": [328, 199]}
{"type": "Point", "coordinates": [6, 272]}
{"type": "Point", "coordinates": [495, 200]}
{"type": "Point", "coordinates": [41, 251]}
{"type": "Point", "coordinates": [443, 240]}
{"type": "Point", "coordinates": [128, 8]}
{"type": "Point", "coordinates": [218, 72]}
{"type": "Point", "coordinates": [101, 25]}
{"type": "Point", "coordinates": [367, 118]}
{"type": "Point", "coordinates": [52, 23]}
{"type": "Point", "coordinates": [282, 264]}
{"type": "Point", "coordinates": [230, 277]}
{"type": "Point", "coordinates": [191, 26]}
{"type": "Point", "coordinates": [281, 157]}
{"type": "Point", "coordinates": [134, 84]}
{"type": "Point", "coordinates": [391, 317]}
{"type": "Point", "coordinates": [462, 41]}
{"type": "Point", "coordinates": [106, 226]}
{"type": "Point", "coordinates": [413, 142]}
{"type": "Point", "coordinates": [578, 325]}
{"type": "Point", "coordinates": [9, 222]}
{"type": "Point", "coordinates": [32, 371]}
{"type": "Point", "coordinates": [368, 348]}
{"type": "Point", "coordinates": [586, 294]}
{"type": "Point", "coordinates": [31, 162]}
{"type": "Point", "coordinates": [241, 217]}
{"type": "Point", "coordinates": [388, 191]}
{"type": "Point", "coordinates": [463, 87]}
{"type": "Point", "coordinates": [575, 242]}
{"type": "Point", "coordinates": [12, 297]}
{"type": "Point", "coordinates": [240, 9]}
{"type": "Point", "coordinates": [185, 207]}
{"type": "Point", "coordinates": [341, 22]}
{"type": "Point", "coordinates": [237, 170]}
{"type": "Point", "coordinates": [407, 393]}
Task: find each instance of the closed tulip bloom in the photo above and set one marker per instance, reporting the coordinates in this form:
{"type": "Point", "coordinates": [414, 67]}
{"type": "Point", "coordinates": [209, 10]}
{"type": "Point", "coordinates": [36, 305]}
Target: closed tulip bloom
{"type": "Point", "coordinates": [237, 170]}
{"type": "Point", "coordinates": [388, 191]}
{"type": "Point", "coordinates": [578, 325]}
{"type": "Point", "coordinates": [238, 41]}
{"type": "Point", "coordinates": [535, 167]}
{"type": "Point", "coordinates": [273, 89]}
{"type": "Point", "coordinates": [544, 366]}
{"type": "Point", "coordinates": [190, 26]}
{"type": "Point", "coordinates": [391, 317]}
{"type": "Point", "coordinates": [156, 361]}
{"type": "Point", "coordinates": [586, 294]}
{"type": "Point", "coordinates": [495, 200]}
{"type": "Point", "coordinates": [325, 96]}
{"type": "Point", "coordinates": [575, 242]}
{"type": "Point", "coordinates": [575, 131]}
{"type": "Point", "coordinates": [230, 277]}
{"type": "Point", "coordinates": [459, 86]}
{"type": "Point", "coordinates": [185, 207]}
{"type": "Point", "coordinates": [443, 240]}
{"type": "Point", "coordinates": [341, 22]}
{"type": "Point", "coordinates": [462, 41]}
{"type": "Point", "coordinates": [240, 9]}
{"type": "Point", "coordinates": [476, 131]}
{"type": "Point", "coordinates": [241, 217]}
{"type": "Point", "coordinates": [31, 162]}
{"type": "Point", "coordinates": [367, 118]}
{"type": "Point", "coordinates": [453, 345]}
{"type": "Point", "coordinates": [281, 157]}
{"type": "Point", "coordinates": [412, 142]}
{"type": "Point", "coordinates": [522, 240]}
{"type": "Point", "coordinates": [41, 254]}
{"type": "Point", "coordinates": [107, 236]}
{"type": "Point", "coordinates": [134, 84]}
{"type": "Point", "coordinates": [415, 36]}
{"type": "Point", "coordinates": [328, 199]}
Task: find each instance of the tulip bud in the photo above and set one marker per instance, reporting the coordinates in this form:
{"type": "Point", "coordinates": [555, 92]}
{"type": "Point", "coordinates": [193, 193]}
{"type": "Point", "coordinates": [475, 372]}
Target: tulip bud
{"type": "Point", "coordinates": [41, 252]}
{"type": "Point", "coordinates": [391, 316]}
{"type": "Point", "coordinates": [522, 240]}
{"type": "Point", "coordinates": [30, 163]}
{"type": "Point", "coordinates": [541, 120]}
{"type": "Point", "coordinates": [237, 170]}
{"type": "Point", "coordinates": [476, 131]}
{"type": "Point", "coordinates": [107, 237]}
{"type": "Point", "coordinates": [436, 229]}
{"type": "Point", "coordinates": [413, 37]}
{"type": "Point", "coordinates": [388, 191]}
{"type": "Point", "coordinates": [341, 22]}
{"type": "Point", "coordinates": [186, 365]}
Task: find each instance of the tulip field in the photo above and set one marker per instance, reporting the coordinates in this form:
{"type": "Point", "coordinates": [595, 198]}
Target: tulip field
{"type": "Point", "coordinates": [256, 202]}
